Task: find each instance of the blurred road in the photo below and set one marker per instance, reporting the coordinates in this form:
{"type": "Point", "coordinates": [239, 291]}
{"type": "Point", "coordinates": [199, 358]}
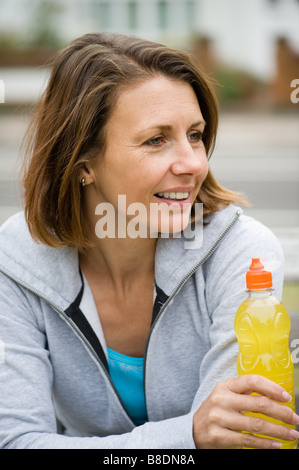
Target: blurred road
{"type": "Point", "coordinates": [257, 154]}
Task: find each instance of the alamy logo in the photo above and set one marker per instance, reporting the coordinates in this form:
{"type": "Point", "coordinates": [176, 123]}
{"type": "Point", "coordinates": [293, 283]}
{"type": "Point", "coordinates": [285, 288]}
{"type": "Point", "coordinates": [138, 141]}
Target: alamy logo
{"type": "Point", "coordinates": [295, 352]}
{"type": "Point", "coordinates": [2, 92]}
{"type": "Point", "coordinates": [158, 219]}
{"type": "Point", "coordinates": [295, 93]}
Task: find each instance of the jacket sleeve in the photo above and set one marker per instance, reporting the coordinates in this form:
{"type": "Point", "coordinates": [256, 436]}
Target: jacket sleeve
{"type": "Point", "coordinates": [27, 414]}
{"type": "Point", "coordinates": [225, 277]}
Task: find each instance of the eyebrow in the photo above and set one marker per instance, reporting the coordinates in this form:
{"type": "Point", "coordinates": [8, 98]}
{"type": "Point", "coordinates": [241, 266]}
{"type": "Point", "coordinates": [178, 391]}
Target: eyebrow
{"type": "Point", "coordinates": [167, 127]}
{"type": "Point", "coordinates": [198, 123]}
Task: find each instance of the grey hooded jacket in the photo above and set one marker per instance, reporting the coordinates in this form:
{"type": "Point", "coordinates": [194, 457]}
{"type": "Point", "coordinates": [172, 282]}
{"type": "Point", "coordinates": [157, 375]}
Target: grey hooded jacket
{"type": "Point", "coordinates": [53, 353]}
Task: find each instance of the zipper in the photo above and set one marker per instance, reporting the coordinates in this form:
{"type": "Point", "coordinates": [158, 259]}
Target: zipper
{"type": "Point", "coordinates": [72, 324]}
{"type": "Point", "coordinates": [182, 282]}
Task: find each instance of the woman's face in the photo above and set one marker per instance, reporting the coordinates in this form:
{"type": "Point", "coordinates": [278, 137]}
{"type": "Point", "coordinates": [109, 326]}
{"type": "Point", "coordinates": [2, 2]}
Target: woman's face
{"type": "Point", "coordinates": [154, 154]}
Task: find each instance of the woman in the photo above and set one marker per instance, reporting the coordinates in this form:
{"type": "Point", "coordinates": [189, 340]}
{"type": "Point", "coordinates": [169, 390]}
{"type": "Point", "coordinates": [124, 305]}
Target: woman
{"type": "Point", "coordinates": [126, 336]}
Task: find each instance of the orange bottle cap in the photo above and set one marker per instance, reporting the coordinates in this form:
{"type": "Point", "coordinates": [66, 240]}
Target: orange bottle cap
{"type": "Point", "coordinates": [257, 277]}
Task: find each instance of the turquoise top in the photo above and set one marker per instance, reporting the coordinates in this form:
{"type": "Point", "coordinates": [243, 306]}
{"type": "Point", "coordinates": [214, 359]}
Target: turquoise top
{"type": "Point", "coordinates": [127, 375]}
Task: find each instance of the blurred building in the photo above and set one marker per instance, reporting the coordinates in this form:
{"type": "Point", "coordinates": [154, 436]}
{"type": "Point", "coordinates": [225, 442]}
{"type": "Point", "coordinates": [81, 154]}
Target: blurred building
{"type": "Point", "coordinates": [243, 32]}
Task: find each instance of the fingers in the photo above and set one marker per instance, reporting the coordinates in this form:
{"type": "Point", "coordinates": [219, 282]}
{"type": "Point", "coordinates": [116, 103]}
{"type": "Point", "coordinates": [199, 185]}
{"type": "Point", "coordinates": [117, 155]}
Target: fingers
{"type": "Point", "coordinates": [237, 440]}
{"type": "Point", "coordinates": [263, 403]}
{"type": "Point", "coordinates": [222, 431]}
{"type": "Point", "coordinates": [230, 409]}
{"type": "Point", "coordinates": [253, 442]}
{"type": "Point", "coordinates": [256, 424]}
{"type": "Point", "coordinates": [224, 416]}
{"type": "Point", "coordinates": [248, 384]}
{"type": "Point", "coordinates": [266, 406]}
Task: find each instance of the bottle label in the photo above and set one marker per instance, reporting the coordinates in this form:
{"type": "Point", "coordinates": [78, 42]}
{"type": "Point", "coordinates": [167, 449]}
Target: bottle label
{"type": "Point", "coordinates": [263, 345]}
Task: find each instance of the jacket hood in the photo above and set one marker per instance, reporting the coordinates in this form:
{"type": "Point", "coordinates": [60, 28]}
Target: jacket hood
{"type": "Point", "coordinates": [53, 273]}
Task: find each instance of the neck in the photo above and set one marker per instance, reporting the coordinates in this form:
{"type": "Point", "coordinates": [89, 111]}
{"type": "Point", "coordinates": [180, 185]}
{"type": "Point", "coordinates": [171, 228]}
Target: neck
{"type": "Point", "coordinates": [118, 259]}
{"type": "Point", "coordinates": [121, 260]}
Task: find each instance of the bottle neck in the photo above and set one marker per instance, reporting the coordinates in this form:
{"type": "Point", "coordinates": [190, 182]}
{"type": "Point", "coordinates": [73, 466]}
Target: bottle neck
{"type": "Point", "coordinates": [260, 293]}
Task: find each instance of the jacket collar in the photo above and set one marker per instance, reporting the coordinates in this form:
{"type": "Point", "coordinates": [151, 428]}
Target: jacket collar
{"type": "Point", "coordinates": [176, 259]}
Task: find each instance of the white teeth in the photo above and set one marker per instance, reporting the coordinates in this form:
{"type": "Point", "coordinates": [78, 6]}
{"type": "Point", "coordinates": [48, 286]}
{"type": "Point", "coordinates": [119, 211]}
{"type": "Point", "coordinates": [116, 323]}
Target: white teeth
{"type": "Point", "coordinates": [172, 195]}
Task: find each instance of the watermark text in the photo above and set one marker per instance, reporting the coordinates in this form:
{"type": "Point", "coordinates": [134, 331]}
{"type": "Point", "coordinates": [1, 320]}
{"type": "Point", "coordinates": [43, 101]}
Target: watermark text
{"type": "Point", "coordinates": [295, 93]}
{"type": "Point", "coordinates": [295, 352]}
{"type": "Point", "coordinates": [155, 220]}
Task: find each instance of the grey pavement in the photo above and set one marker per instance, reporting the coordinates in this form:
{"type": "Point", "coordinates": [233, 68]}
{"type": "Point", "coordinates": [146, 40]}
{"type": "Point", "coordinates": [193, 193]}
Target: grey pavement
{"type": "Point", "coordinates": [258, 154]}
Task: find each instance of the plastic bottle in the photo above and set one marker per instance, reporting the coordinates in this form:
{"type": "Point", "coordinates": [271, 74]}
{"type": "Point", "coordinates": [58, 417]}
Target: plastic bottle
{"type": "Point", "coordinates": [262, 327]}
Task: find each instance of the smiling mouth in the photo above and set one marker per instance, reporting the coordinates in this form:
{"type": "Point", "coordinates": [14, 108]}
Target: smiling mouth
{"type": "Point", "coordinates": [174, 196]}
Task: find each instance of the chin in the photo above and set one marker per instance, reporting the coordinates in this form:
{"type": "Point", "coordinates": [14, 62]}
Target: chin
{"type": "Point", "coordinates": [174, 225]}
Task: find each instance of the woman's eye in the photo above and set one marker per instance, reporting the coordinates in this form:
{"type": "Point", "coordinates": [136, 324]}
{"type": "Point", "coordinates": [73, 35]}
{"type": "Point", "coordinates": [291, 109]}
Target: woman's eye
{"type": "Point", "coordinates": [155, 141]}
{"type": "Point", "coordinates": [195, 136]}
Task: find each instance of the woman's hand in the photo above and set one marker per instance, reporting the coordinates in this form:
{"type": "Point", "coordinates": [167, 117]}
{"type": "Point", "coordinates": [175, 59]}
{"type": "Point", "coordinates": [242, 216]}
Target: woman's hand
{"type": "Point", "coordinates": [218, 421]}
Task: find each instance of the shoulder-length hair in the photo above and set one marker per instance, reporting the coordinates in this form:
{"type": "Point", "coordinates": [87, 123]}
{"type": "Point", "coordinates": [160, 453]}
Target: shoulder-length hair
{"type": "Point", "coordinates": [68, 128]}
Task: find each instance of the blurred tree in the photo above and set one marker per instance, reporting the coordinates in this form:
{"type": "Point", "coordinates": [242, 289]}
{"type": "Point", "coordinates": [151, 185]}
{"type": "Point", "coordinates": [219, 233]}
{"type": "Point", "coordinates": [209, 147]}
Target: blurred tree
{"type": "Point", "coordinates": [44, 32]}
{"type": "Point", "coordinates": [36, 43]}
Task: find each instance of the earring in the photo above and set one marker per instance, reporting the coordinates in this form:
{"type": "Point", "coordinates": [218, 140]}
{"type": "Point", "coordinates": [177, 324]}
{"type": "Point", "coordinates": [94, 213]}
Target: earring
{"type": "Point", "coordinates": [83, 182]}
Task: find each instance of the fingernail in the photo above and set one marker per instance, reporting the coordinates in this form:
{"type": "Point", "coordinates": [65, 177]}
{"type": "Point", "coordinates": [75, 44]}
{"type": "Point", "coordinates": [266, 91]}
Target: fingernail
{"type": "Point", "coordinates": [286, 396]}
{"type": "Point", "coordinates": [294, 434]}
{"type": "Point", "coordinates": [276, 445]}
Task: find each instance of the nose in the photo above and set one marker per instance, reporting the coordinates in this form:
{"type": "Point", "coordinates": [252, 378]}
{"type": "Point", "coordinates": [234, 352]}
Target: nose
{"type": "Point", "coordinates": [188, 159]}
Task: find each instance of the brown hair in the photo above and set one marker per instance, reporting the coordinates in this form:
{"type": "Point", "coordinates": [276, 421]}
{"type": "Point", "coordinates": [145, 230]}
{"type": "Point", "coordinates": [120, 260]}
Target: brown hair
{"type": "Point", "coordinates": [68, 128]}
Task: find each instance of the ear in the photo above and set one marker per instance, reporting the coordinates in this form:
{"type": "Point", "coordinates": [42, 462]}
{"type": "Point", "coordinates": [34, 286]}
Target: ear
{"type": "Point", "coordinates": [85, 173]}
